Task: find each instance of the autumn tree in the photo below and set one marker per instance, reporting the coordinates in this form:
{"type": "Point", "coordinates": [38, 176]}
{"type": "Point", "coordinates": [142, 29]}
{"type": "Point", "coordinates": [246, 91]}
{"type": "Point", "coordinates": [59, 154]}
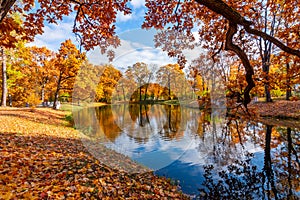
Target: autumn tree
{"type": "Point", "coordinates": [141, 74]}
{"type": "Point", "coordinates": [234, 21]}
{"type": "Point", "coordinates": [199, 74]}
{"type": "Point", "coordinates": [107, 83]}
{"type": "Point", "coordinates": [121, 88]}
{"type": "Point", "coordinates": [19, 80]}
{"type": "Point", "coordinates": [265, 47]}
{"type": "Point", "coordinates": [67, 63]}
{"type": "Point", "coordinates": [43, 70]}
{"type": "Point", "coordinates": [288, 30]}
{"type": "Point", "coordinates": [230, 21]}
{"type": "Point", "coordinates": [170, 76]}
{"type": "Point", "coordinates": [93, 19]}
{"type": "Point", "coordinates": [10, 32]}
{"type": "Point", "coordinates": [87, 80]}
{"type": "Point", "coordinates": [30, 71]}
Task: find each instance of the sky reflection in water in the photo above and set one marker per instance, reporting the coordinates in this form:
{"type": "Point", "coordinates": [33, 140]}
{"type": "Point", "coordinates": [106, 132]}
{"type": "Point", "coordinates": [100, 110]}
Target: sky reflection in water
{"type": "Point", "coordinates": [202, 151]}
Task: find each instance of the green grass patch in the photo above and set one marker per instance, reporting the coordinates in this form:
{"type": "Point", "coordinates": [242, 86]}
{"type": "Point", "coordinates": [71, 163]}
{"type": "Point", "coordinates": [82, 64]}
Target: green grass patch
{"type": "Point", "coordinates": [171, 102]}
{"type": "Point", "coordinates": [70, 119]}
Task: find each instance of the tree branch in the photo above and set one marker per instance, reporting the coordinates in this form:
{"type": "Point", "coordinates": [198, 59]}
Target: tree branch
{"type": "Point", "coordinates": [272, 39]}
{"type": "Point", "coordinates": [232, 15]}
{"type": "Point", "coordinates": [242, 55]}
{"type": "Point", "coordinates": [5, 6]}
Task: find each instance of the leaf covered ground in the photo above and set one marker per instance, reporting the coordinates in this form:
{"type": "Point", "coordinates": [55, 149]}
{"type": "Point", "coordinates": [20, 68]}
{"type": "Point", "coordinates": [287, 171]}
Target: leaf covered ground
{"type": "Point", "coordinates": [41, 157]}
{"type": "Point", "coordinates": [280, 108]}
{"type": "Point", "coordinates": [280, 112]}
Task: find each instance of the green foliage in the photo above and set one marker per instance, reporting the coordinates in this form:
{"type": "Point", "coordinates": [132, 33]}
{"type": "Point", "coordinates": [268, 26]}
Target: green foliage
{"type": "Point", "coordinates": [70, 119]}
{"type": "Point", "coordinates": [277, 93]}
{"type": "Point", "coordinates": [64, 97]}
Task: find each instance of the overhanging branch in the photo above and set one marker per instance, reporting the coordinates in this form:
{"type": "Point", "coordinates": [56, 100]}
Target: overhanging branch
{"type": "Point", "coordinates": [5, 6]}
{"type": "Point", "coordinates": [242, 55]}
{"type": "Point", "coordinates": [232, 15]}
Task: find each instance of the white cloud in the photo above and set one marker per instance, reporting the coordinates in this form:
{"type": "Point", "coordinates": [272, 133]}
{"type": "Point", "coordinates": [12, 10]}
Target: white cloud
{"type": "Point", "coordinates": [136, 46]}
{"type": "Point", "coordinates": [54, 35]}
{"type": "Point", "coordinates": [137, 3]}
{"type": "Point", "coordinates": [129, 53]}
{"type": "Point", "coordinates": [123, 18]}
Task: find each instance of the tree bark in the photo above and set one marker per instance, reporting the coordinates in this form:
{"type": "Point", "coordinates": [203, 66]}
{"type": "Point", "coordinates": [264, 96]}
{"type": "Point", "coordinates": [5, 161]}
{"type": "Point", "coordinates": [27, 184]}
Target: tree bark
{"type": "Point", "coordinates": [57, 91]}
{"type": "Point", "coordinates": [4, 78]}
{"type": "Point", "coordinates": [5, 6]}
{"type": "Point", "coordinates": [242, 55]}
{"type": "Point", "coordinates": [266, 69]}
{"type": "Point", "coordinates": [43, 93]}
{"type": "Point", "coordinates": [288, 82]}
{"type": "Point", "coordinates": [123, 92]}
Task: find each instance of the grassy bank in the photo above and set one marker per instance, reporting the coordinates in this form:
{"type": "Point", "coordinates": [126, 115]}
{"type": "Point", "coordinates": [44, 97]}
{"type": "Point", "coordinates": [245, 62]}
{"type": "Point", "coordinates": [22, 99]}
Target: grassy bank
{"type": "Point", "coordinates": [42, 157]}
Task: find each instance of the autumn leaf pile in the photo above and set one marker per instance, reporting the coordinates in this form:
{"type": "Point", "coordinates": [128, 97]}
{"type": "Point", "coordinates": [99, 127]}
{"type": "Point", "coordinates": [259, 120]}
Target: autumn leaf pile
{"type": "Point", "coordinates": [42, 158]}
{"type": "Point", "coordinates": [279, 109]}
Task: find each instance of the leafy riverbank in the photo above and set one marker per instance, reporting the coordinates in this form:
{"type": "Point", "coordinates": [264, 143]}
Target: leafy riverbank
{"type": "Point", "coordinates": [281, 112]}
{"type": "Point", "coordinates": [42, 157]}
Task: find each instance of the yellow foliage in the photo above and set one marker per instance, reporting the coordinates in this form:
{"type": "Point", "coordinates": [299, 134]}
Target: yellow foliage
{"type": "Point", "coordinates": [33, 100]}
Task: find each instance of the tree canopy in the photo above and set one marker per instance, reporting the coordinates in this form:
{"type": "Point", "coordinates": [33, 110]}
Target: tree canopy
{"type": "Point", "coordinates": [228, 25]}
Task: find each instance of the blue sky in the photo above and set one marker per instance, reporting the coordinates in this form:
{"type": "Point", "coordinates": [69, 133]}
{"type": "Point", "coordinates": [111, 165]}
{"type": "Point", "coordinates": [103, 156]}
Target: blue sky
{"type": "Point", "coordinates": [55, 34]}
{"type": "Point", "coordinates": [136, 44]}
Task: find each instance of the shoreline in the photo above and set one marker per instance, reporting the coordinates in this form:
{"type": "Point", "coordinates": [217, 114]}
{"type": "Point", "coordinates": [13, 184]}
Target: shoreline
{"type": "Point", "coordinates": [42, 156]}
{"type": "Point", "coordinates": [280, 109]}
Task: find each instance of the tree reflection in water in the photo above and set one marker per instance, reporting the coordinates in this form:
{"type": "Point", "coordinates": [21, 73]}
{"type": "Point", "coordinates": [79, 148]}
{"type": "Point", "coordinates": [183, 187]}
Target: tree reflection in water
{"type": "Point", "coordinates": [139, 116]}
{"type": "Point", "coordinates": [278, 178]}
{"type": "Point", "coordinates": [168, 121]}
{"type": "Point", "coordinates": [239, 159]}
{"type": "Point", "coordinates": [171, 126]}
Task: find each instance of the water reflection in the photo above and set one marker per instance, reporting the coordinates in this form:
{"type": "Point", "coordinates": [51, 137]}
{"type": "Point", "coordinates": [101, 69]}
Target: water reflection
{"type": "Point", "coordinates": [211, 157]}
{"type": "Point", "coordinates": [274, 176]}
{"type": "Point", "coordinates": [107, 123]}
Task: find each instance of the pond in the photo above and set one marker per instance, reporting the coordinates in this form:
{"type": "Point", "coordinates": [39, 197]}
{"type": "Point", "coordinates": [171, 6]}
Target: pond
{"type": "Point", "coordinates": [208, 155]}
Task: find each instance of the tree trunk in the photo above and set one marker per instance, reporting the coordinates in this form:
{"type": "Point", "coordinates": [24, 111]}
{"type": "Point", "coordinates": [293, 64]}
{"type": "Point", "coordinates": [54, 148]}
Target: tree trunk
{"type": "Point", "coordinates": [268, 93]}
{"type": "Point", "coordinates": [123, 91]}
{"type": "Point", "coordinates": [230, 46]}
{"type": "Point", "coordinates": [5, 6]}
{"type": "Point", "coordinates": [55, 98]}
{"type": "Point", "coordinates": [169, 86]}
{"type": "Point", "coordinates": [146, 90]}
{"type": "Point", "coordinates": [43, 93]}
{"type": "Point", "coordinates": [57, 92]}
{"type": "Point", "coordinates": [140, 91]}
{"type": "Point", "coordinates": [288, 83]}
{"type": "Point", "coordinates": [4, 78]}
{"type": "Point", "coordinates": [147, 85]}
{"type": "Point", "coordinates": [266, 70]}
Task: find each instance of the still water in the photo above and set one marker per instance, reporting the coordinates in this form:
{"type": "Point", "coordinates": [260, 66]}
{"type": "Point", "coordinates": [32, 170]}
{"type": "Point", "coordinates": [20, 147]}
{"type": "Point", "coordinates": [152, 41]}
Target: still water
{"type": "Point", "coordinates": [207, 155]}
